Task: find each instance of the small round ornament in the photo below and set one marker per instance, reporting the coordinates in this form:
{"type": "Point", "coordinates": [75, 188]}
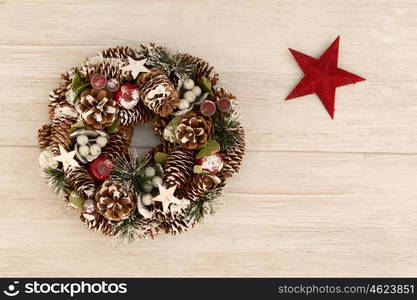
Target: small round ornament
{"type": "Point", "coordinates": [84, 150]}
{"type": "Point", "coordinates": [89, 206]}
{"type": "Point", "coordinates": [189, 96]}
{"type": "Point", "coordinates": [146, 199]}
{"type": "Point", "coordinates": [208, 108]}
{"type": "Point", "coordinates": [150, 172]}
{"type": "Point", "coordinates": [82, 140]}
{"type": "Point", "coordinates": [98, 81]}
{"type": "Point", "coordinates": [224, 104]}
{"type": "Point", "coordinates": [188, 84]}
{"type": "Point", "coordinates": [212, 163]}
{"type": "Point", "coordinates": [95, 149]}
{"type": "Point", "coordinates": [156, 181]}
{"type": "Point", "coordinates": [101, 141]}
{"type": "Point", "coordinates": [184, 104]}
{"type": "Point", "coordinates": [196, 90]}
{"type": "Point", "coordinates": [100, 168]}
{"type": "Point", "coordinates": [47, 160]}
{"type": "Point", "coordinates": [113, 85]}
{"type": "Point", "coordinates": [127, 96]}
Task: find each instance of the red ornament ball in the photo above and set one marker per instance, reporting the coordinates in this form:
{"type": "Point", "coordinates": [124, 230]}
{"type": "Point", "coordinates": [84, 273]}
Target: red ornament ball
{"type": "Point", "coordinates": [208, 108]}
{"type": "Point", "coordinates": [98, 81]}
{"type": "Point", "coordinates": [127, 96]}
{"type": "Point", "coordinates": [212, 163]}
{"type": "Point", "coordinates": [224, 104]}
{"type": "Point", "coordinates": [100, 168]}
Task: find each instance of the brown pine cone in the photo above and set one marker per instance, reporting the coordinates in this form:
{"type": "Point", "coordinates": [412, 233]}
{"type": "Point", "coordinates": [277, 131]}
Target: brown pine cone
{"type": "Point", "coordinates": [232, 160]}
{"type": "Point", "coordinates": [44, 136]}
{"type": "Point", "coordinates": [158, 93]}
{"type": "Point", "coordinates": [165, 147]}
{"type": "Point", "coordinates": [158, 126]}
{"type": "Point", "coordinates": [179, 167]}
{"type": "Point", "coordinates": [202, 68]}
{"type": "Point", "coordinates": [193, 131]}
{"type": "Point", "coordinates": [80, 180]}
{"type": "Point", "coordinates": [97, 222]}
{"type": "Point", "coordinates": [217, 94]}
{"type": "Point", "coordinates": [97, 108]}
{"type": "Point", "coordinates": [60, 128]}
{"type": "Point", "coordinates": [118, 143]}
{"type": "Point", "coordinates": [113, 202]}
{"type": "Point", "coordinates": [121, 53]}
{"type": "Point", "coordinates": [198, 185]}
{"type": "Point", "coordinates": [138, 115]}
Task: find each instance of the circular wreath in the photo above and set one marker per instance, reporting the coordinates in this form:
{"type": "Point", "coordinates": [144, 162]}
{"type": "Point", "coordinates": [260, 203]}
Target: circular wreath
{"type": "Point", "coordinates": [86, 153]}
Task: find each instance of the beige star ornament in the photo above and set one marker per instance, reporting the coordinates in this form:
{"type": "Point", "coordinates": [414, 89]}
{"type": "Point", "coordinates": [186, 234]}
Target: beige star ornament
{"type": "Point", "coordinates": [67, 158]}
{"type": "Point", "coordinates": [136, 67]}
{"type": "Point", "coordinates": [166, 197]}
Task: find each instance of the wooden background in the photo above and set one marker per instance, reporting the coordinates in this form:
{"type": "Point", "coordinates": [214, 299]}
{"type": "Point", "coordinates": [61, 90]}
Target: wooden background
{"type": "Point", "coordinates": [315, 197]}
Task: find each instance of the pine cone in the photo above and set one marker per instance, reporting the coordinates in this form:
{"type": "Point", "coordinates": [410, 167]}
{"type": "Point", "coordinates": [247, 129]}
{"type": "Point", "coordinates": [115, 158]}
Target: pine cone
{"type": "Point", "coordinates": [158, 93]}
{"type": "Point", "coordinates": [217, 94]}
{"type": "Point", "coordinates": [196, 187]}
{"type": "Point", "coordinates": [171, 222]}
{"type": "Point", "coordinates": [165, 147]}
{"type": "Point", "coordinates": [80, 180]}
{"type": "Point", "coordinates": [118, 143]}
{"type": "Point", "coordinates": [109, 68]}
{"type": "Point", "coordinates": [193, 131]}
{"type": "Point", "coordinates": [232, 161]}
{"type": "Point", "coordinates": [44, 136]}
{"type": "Point", "coordinates": [97, 222]}
{"type": "Point", "coordinates": [121, 53]}
{"type": "Point", "coordinates": [97, 108]}
{"type": "Point", "coordinates": [179, 167]}
{"type": "Point", "coordinates": [202, 68]}
{"type": "Point", "coordinates": [60, 133]}
{"type": "Point", "coordinates": [138, 115]}
{"type": "Point", "coordinates": [158, 126]}
{"type": "Point", "coordinates": [113, 202]}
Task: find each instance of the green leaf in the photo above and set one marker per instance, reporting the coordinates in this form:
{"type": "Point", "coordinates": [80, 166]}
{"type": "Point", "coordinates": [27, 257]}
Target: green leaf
{"type": "Point", "coordinates": [160, 157]}
{"type": "Point", "coordinates": [169, 131]}
{"type": "Point", "coordinates": [208, 149]}
{"type": "Point", "coordinates": [204, 83]}
{"type": "Point", "coordinates": [76, 126]}
{"type": "Point", "coordinates": [198, 169]}
{"type": "Point", "coordinates": [76, 200]}
{"type": "Point", "coordinates": [77, 86]}
{"type": "Point", "coordinates": [113, 127]}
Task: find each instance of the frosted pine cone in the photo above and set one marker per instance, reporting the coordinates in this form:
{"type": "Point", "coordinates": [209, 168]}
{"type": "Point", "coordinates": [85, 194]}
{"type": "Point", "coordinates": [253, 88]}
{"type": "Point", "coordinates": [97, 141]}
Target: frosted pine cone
{"type": "Point", "coordinates": [44, 136]}
{"type": "Point", "coordinates": [119, 143]}
{"type": "Point", "coordinates": [138, 115]}
{"type": "Point", "coordinates": [158, 93]}
{"type": "Point", "coordinates": [80, 180]}
{"type": "Point", "coordinates": [97, 222]}
{"type": "Point", "coordinates": [196, 187]}
{"type": "Point", "coordinates": [193, 131]}
{"type": "Point", "coordinates": [113, 202]}
{"type": "Point", "coordinates": [179, 167]}
{"type": "Point", "coordinates": [232, 160]}
{"type": "Point", "coordinates": [97, 108]}
{"type": "Point", "coordinates": [60, 133]}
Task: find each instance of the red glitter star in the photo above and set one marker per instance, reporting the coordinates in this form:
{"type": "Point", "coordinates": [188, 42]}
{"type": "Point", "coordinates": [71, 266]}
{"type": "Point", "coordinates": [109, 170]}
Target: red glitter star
{"type": "Point", "coordinates": [322, 76]}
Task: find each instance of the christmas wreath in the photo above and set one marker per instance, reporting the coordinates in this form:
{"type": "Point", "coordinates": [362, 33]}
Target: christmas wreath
{"type": "Point", "coordinates": [85, 148]}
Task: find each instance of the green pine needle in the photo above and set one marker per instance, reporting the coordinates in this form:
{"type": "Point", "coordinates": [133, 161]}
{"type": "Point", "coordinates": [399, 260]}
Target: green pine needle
{"type": "Point", "coordinates": [127, 230]}
{"type": "Point", "coordinates": [227, 130]}
{"type": "Point", "coordinates": [56, 179]}
{"type": "Point", "coordinates": [129, 170]}
{"type": "Point", "coordinates": [172, 64]}
{"type": "Point", "coordinates": [206, 205]}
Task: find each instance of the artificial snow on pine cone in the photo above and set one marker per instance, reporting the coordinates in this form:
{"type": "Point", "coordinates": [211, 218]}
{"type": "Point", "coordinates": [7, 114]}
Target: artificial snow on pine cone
{"type": "Point", "coordinates": [158, 92]}
{"type": "Point", "coordinates": [87, 154]}
{"type": "Point", "coordinates": [97, 108]}
{"type": "Point", "coordinates": [113, 202]}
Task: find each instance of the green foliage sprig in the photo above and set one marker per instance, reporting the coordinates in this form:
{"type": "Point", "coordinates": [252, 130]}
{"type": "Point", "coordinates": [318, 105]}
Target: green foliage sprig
{"type": "Point", "coordinates": [56, 179]}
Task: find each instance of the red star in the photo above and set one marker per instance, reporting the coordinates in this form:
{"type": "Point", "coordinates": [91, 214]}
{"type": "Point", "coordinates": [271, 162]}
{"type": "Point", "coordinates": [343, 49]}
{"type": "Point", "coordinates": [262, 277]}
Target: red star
{"type": "Point", "coordinates": [322, 76]}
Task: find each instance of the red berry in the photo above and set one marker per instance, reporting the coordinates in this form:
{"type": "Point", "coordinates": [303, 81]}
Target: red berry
{"type": "Point", "coordinates": [98, 81]}
{"type": "Point", "coordinates": [127, 96]}
{"type": "Point", "coordinates": [100, 168]}
{"type": "Point", "coordinates": [224, 104]}
{"type": "Point", "coordinates": [208, 108]}
{"type": "Point", "coordinates": [212, 163]}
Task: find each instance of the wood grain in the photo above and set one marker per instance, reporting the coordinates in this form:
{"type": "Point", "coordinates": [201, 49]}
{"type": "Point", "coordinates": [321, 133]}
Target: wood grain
{"type": "Point", "coordinates": [316, 197]}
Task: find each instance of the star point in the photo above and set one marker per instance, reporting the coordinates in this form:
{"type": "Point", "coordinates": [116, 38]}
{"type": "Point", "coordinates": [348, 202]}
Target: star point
{"type": "Point", "coordinates": [135, 66]}
{"type": "Point", "coordinates": [322, 76]}
{"type": "Point", "coordinates": [66, 158]}
{"type": "Point", "coordinates": [166, 197]}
